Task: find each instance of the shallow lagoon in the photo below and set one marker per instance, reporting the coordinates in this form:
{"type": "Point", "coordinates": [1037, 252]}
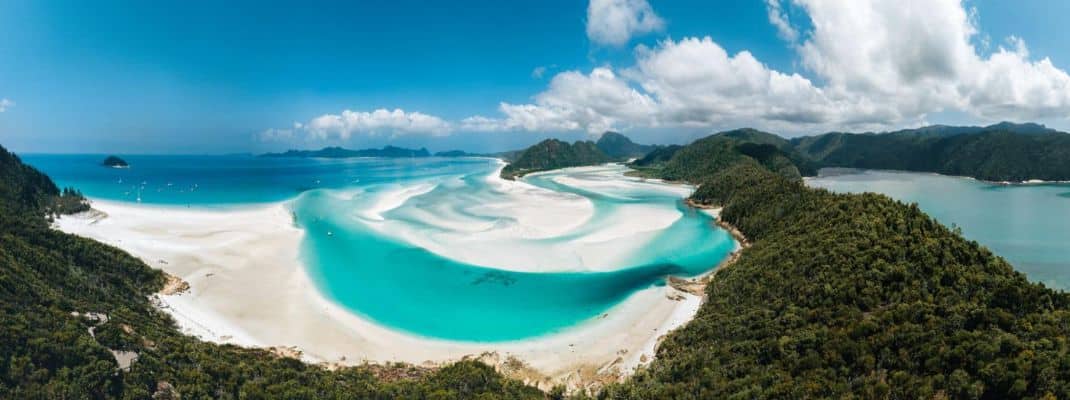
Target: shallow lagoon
{"type": "Point", "coordinates": [387, 239]}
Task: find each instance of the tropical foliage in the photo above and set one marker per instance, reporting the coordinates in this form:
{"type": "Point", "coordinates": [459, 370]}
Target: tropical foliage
{"type": "Point", "coordinates": [856, 296]}
{"type": "Point", "coordinates": [552, 154]}
{"type": "Point", "coordinates": [1004, 152]}
{"type": "Point", "coordinates": [620, 147]}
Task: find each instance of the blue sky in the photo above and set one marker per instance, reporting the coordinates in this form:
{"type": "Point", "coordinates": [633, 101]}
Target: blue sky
{"type": "Point", "coordinates": [197, 77]}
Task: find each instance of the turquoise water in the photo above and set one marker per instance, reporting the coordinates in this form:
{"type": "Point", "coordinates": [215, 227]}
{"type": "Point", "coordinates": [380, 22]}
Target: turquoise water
{"type": "Point", "coordinates": [372, 266]}
{"type": "Point", "coordinates": [212, 181]}
{"type": "Point", "coordinates": [1029, 225]}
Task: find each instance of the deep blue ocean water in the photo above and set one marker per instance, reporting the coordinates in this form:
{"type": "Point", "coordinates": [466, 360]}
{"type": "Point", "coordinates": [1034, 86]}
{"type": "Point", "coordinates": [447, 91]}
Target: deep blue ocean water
{"type": "Point", "coordinates": [1029, 225]}
{"type": "Point", "coordinates": [381, 276]}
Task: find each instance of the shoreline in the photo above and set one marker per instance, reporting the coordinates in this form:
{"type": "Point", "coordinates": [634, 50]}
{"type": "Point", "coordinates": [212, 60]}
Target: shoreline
{"type": "Point", "coordinates": [1028, 182]}
{"type": "Point", "coordinates": [697, 285]}
{"type": "Point", "coordinates": [239, 279]}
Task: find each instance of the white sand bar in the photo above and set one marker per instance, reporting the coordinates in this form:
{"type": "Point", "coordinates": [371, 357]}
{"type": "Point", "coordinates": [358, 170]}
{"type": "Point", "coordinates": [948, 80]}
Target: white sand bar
{"type": "Point", "coordinates": [249, 287]}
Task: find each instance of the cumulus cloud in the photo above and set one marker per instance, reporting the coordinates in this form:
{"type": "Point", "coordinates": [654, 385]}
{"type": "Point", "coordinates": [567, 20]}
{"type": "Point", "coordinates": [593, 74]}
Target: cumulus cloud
{"type": "Point", "coordinates": [615, 22]}
{"type": "Point", "coordinates": [877, 64]}
{"type": "Point", "coordinates": [348, 123]}
{"type": "Point", "coordinates": [5, 104]}
{"type": "Point", "coordinates": [919, 55]}
{"type": "Point", "coordinates": [594, 102]}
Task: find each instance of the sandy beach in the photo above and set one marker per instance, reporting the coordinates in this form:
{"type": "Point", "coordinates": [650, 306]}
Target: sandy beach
{"type": "Point", "coordinates": [248, 287]}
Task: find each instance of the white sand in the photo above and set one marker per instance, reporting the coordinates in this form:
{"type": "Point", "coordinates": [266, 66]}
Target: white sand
{"type": "Point", "coordinates": [248, 287]}
{"type": "Point", "coordinates": [524, 212]}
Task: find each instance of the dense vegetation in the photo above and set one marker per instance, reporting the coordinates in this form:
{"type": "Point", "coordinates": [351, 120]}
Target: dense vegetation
{"type": "Point", "coordinates": [1002, 152]}
{"type": "Point", "coordinates": [620, 147]}
{"type": "Point", "coordinates": [114, 161]}
{"type": "Point", "coordinates": [706, 156]}
{"type": "Point", "coordinates": [856, 296]}
{"type": "Point", "coordinates": [338, 152]}
{"type": "Point", "coordinates": [26, 191]}
{"type": "Point", "coordinates": [552, 154]}
{"type": "Point", "coordinates": [48, 352]}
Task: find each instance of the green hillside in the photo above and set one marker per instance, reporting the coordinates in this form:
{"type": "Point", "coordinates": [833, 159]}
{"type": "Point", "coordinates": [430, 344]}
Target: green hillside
{"type": "Point", "coordinates": [856, 296]}
{"type": "Point", "coordinates": [552, 154]}
{"type": "Point", "coordinates": [1001, 152]}
{"type": "Point", "coordinates": [620, 147]}
{"type": "Point", "coordinates": [714, 153]}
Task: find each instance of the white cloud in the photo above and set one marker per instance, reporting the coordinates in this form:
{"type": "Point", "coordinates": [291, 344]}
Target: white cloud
{"type": "Point", "coordinates": [877, 65]}
{"type": "Point", "coordinates": [593, 102]}
{"type": "Point", "coordinates": [688, 83]}
{"type": "Point", "coordinates": [5, 104]}
{"type": "Point", "coordinates": [348, 123]}
{"type": "Point", "coordinates": [696, 82]}
{"type": "Point", "coordinates": [918, 56]}
{"type": "Point", "coordinates": [538, 72]}
{"type": "Point", "coordinates": [378, 122]}
{"type": "Point", "coordinates": [615, 22]}
{"type": "Point", "coordinates": [780, 20]}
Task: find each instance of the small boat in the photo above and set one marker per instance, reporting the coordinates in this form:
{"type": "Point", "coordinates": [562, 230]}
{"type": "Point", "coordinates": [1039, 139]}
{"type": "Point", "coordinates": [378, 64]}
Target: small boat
{"type": "Point", "coordinates": [329, 233]}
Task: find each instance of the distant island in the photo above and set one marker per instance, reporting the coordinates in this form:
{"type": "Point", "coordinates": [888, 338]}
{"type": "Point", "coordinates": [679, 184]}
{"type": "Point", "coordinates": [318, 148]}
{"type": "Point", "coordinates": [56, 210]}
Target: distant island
{"type": "Point", "coordinates": [552, 154]}
{"type": "Point", "coordinates": [339, 152]}
{"type": "Point", "coordinates": [620, 147]}
{"type": "Point", "coordinates": [455, 153]}
{"type": "Point", "coordinates": [114, 162]}
{"type": "Point", "coordinates": [1003, 152]}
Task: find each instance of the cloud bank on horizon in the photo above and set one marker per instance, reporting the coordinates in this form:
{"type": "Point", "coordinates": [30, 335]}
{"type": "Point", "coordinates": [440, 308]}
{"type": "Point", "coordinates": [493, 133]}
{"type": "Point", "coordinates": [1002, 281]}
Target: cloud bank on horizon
{"type": "Point", "coordinates": [867, 65]}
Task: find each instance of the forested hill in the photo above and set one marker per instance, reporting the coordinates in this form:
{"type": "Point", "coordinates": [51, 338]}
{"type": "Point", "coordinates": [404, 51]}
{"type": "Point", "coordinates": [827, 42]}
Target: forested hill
{"type": "Point", "coordinates": [621, 147]}
{"type": "Point", "coordinates": [709, 155]}
{"type": "Point", "coordinates": [70, 305]}
{"type": "Point", "coordinates": [552, 154]}
{"type": "Point", "coordinates": [855, 296]}
{"type": "Point", "coordinates": [338, 152]}
{"type": "Point", "coordinates": [1001, 152]}
{"type": "Point", "coordinates": [26, 191]}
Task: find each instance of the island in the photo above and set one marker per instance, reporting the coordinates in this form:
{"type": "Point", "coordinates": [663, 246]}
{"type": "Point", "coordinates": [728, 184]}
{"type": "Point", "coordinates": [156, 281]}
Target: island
{"type": "Point", "coordinates": [552, 154]}
{"type": "Point", "coordinates": [1004, 152]}
{"type": "Point", "coordinates": [114, 162]}
{"type": "Point", "coordinates": [339, 152]}
{"type": "Point", "coordinates": [455, 153]}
